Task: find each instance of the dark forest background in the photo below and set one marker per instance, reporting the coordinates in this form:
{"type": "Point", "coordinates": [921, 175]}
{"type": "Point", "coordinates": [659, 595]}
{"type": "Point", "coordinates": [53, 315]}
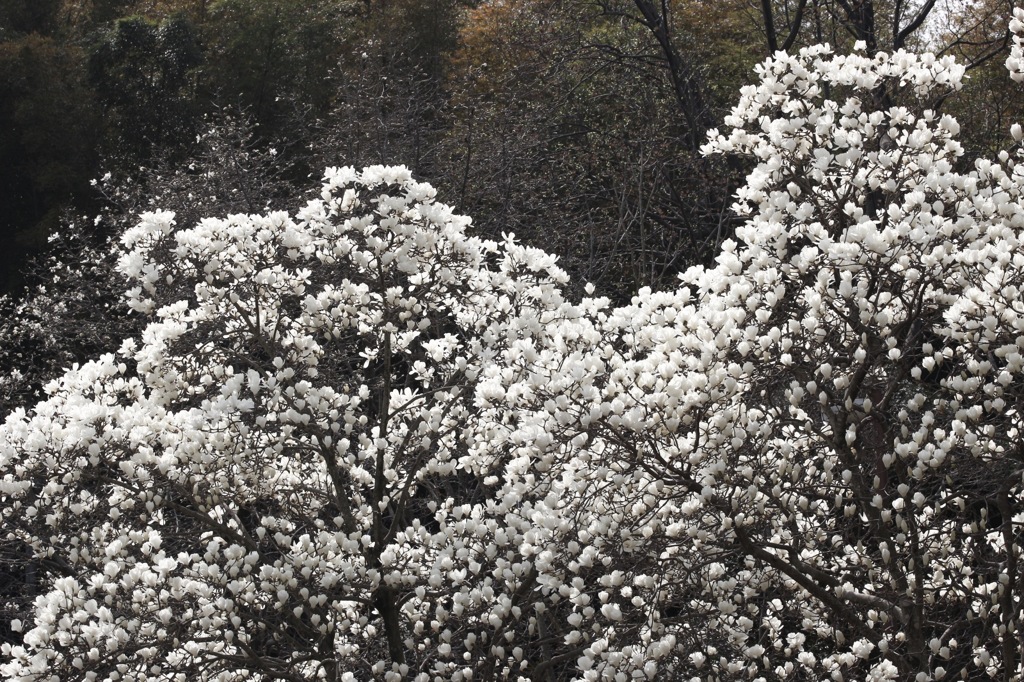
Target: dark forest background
{"type": "Point", "coordinates": [573, 123]}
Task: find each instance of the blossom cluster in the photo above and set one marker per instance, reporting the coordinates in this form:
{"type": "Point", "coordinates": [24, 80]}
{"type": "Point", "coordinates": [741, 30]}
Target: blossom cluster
{"type": "Point", "coordinates": [365, 445]}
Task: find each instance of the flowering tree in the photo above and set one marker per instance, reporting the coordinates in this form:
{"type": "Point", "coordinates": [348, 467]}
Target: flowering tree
{"type": "Point", "coordinates": [271, 478]}
{"type": "Point", "coordinates": [806, 462]}
{"type": "Point", "coordinates": [358, 444]}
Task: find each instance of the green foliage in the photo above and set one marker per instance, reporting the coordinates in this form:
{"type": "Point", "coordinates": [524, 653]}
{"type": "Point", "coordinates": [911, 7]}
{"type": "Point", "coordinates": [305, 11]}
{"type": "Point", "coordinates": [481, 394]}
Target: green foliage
{"type": "Point", "coordinates": [142, 73]}
{"type": "Point", "coordinates": [272, 56]}
{"type": "Point", "coordinates": [48, 147]}
{"type": "Point", "coordinates": [47, 105]}
{"type": "Point", "coordinates": [109, 11]}
{"type": "Point", "coordinates": [21, 17]}
{"type": "Point", "coordinates": [429, 29]}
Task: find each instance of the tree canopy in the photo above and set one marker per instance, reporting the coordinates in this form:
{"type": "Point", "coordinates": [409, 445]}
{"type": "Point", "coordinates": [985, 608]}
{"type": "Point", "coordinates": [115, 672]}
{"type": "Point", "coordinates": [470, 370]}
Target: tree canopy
{"type": "Point", "coordinates": [355, 441]}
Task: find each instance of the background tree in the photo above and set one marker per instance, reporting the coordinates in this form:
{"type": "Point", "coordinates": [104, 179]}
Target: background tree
{"type": "Point", "coordinates": [21, 18]}
{"type": "Point", "coordinates": [142, 71]}
{"type": "Point", "coordinates": [390, 99]}
{"type": "Point", "coordinates": [977, 34]}
{"type": "Point", "coordinates": [607, 112]}
{"type": "Point", "coordinates": [48, 113]}
{"type": "Point", "coordinates": [564, 115]}
{"type": "Point", "coordinates": [272, 57]}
